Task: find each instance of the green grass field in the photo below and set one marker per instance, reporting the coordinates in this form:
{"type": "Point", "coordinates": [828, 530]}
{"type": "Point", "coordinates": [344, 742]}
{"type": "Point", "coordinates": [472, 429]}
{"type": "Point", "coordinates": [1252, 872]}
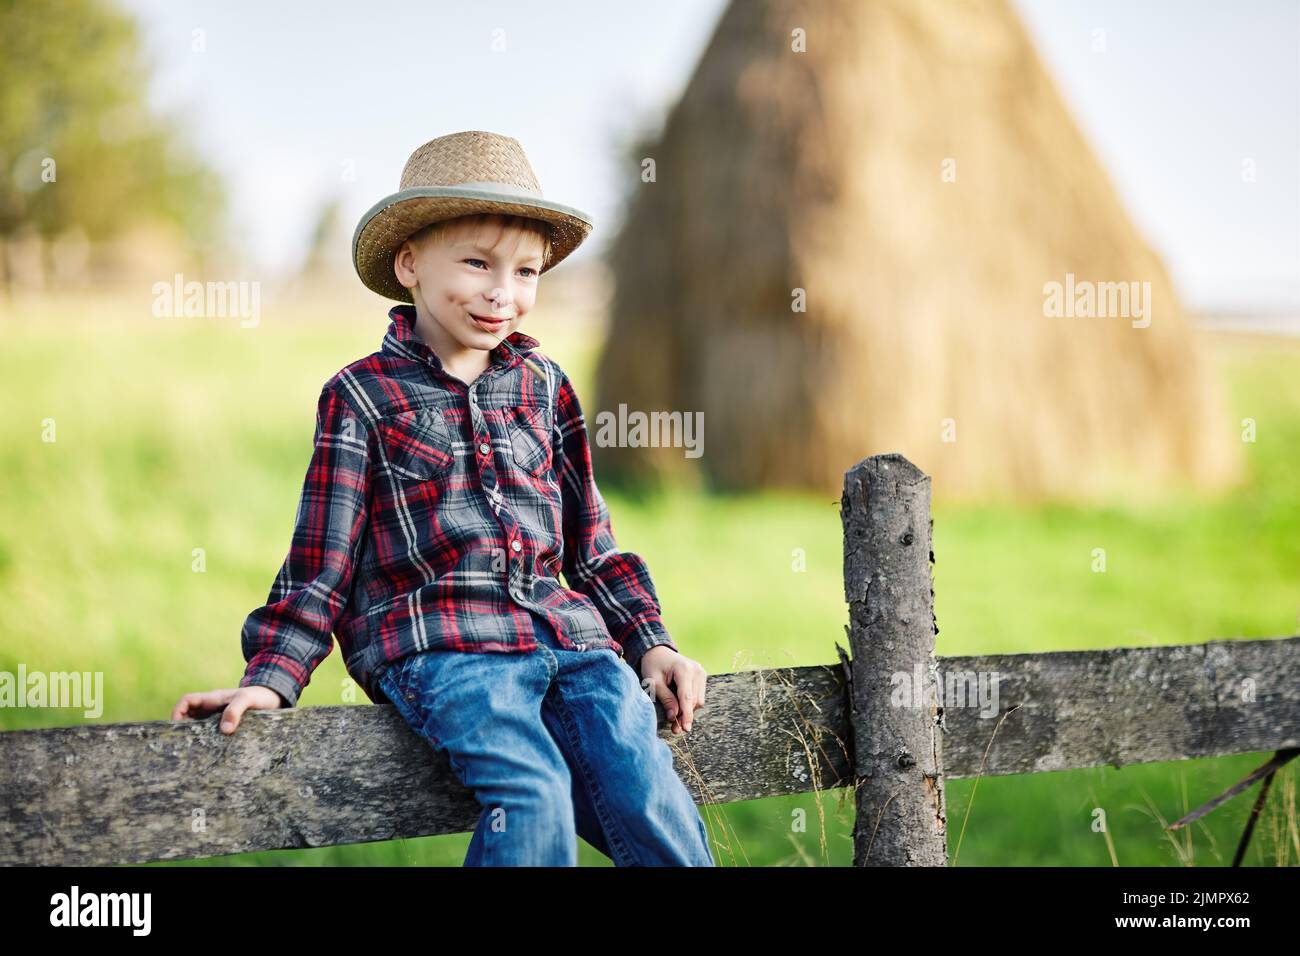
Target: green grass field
{"type": "Point", "coordinates": [181, 434]}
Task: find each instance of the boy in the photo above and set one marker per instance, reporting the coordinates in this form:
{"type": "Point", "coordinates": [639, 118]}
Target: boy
{"type": "Point", "coordinates": [451, 480]}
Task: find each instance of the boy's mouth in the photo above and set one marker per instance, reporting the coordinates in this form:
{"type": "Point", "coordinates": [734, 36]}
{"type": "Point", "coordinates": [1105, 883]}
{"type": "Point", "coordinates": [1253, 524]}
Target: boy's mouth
{"type": "Point", "coordinates": [492, 325]}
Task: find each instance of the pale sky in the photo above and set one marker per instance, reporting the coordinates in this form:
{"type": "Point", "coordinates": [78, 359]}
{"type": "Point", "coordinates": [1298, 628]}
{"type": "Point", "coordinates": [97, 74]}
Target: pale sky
{"type": "Point", "coordinates": [286, 96]}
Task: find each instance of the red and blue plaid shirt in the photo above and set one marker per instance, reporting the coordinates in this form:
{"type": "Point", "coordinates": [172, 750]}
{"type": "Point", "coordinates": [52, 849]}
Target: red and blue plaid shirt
{"type": "Point", "coordinates": [437, 515]}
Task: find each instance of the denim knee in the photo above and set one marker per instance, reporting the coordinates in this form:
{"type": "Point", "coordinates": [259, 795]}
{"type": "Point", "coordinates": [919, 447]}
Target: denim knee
{"type": "Point", "coordinates": [545, 810]}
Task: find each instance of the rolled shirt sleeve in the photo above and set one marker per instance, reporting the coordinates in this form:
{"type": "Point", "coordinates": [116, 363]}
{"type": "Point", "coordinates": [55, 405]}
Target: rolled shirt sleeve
{"type": "Point", "coordinates": [617, 582]}
{"type": "Point", "coordinates": [285, 639]}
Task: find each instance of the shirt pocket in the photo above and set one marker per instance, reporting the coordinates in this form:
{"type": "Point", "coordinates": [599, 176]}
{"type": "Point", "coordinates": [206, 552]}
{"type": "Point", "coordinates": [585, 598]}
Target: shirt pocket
{"type": "Point", "coordinates": [529, 428]}
{"type": "Point", "coordinates": [417, 444]}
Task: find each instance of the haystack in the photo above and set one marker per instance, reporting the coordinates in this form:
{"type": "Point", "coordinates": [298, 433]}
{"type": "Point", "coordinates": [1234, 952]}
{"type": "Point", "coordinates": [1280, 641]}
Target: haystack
{"type": "Point", "coordinates": [917, 175]}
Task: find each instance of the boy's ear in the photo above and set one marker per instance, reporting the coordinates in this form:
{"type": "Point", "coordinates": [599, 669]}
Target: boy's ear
{"type": "Point", "coordinates": [402, 270]}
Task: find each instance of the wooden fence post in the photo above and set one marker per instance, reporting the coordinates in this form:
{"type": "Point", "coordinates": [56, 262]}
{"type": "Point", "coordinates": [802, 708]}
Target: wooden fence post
{"type": "Point", "coordinates": [897, 713]}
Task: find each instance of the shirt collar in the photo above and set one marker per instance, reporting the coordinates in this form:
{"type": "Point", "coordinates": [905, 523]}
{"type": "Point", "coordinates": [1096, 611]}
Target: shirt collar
{"type": "Point", "coordinates": [402, 340]}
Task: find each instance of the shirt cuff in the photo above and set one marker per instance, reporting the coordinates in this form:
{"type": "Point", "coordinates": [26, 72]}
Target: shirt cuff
{"type": "Point", "coordinates": [273, 677]}
{"type": "Point", "coordinates": [640, 636]}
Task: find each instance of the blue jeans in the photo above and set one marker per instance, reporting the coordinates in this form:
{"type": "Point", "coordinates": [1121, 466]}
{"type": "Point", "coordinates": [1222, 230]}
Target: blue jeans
{"type": "Point", "coordinates": [593, 765]}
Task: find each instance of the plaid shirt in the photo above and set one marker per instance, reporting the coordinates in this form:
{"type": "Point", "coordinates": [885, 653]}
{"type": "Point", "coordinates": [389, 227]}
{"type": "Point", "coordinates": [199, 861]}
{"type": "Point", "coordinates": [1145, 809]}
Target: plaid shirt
{"type": "Point", "coordinates": [436, 515]}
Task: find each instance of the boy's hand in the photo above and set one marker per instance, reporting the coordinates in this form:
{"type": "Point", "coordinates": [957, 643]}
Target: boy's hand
{"type": "Point", "coordinates": [235, 701]}
{"type": "Point", "coordinates": [663, 671]}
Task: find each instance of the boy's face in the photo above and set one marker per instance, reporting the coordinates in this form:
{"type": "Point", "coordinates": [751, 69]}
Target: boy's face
{"type": "Point", "coordinates": [476, 282]}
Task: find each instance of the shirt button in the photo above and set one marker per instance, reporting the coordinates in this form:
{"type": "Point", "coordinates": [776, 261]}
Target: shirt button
{"type": "Point", "coordinates": [484, 448]}
{"type": "Point", "coordinates": [515, 545]}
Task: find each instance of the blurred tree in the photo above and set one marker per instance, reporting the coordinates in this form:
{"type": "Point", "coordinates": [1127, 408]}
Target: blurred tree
{"type": "Point", "coordinates": [78, 145]}
{"type": "Point", "coordinates": [324, 250]}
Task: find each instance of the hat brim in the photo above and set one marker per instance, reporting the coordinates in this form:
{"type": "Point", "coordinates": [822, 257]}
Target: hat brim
{"type": "Point", "coordinates": [392, 220]}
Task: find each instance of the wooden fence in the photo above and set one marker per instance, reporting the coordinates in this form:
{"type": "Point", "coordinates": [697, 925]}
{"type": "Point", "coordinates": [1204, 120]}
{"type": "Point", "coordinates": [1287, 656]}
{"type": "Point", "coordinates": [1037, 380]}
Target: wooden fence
{"type": "Point", "coordinates": [892, 721]}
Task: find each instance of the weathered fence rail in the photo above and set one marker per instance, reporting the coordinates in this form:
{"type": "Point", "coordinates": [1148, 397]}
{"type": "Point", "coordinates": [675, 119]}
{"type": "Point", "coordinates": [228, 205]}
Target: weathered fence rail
{"type": "Point", "coordinates": [893, 721]}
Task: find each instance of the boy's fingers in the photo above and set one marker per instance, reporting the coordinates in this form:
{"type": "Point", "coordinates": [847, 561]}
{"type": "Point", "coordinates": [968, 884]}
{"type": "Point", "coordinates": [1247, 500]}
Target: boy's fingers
{"type": "Point", "coordinates": [201, 704]}
{"type": "Point", "coordinates": [687, 693]}
{"type": "Point", "coordinates": [666, 698]}
{"type": "Point", "coordinates": [692, 699]}
{"type": "Point", "coordinates": [234, 711]}
{"type": "Point", "coordinates": [692, 703]}
{"type": "Point", "coordinates": [191, 705]}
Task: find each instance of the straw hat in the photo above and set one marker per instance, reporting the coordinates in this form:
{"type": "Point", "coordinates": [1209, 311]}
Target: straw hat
{"type": "Point", "coordinates": [460, 174]}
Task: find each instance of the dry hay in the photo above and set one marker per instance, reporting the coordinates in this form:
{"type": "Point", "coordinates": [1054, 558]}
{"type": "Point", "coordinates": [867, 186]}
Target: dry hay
{"type": "Point", "coordinates": [823, 171]}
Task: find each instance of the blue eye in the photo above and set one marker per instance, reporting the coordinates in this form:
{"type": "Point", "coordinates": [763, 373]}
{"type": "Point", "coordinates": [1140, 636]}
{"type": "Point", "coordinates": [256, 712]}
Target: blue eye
{"type": "Point", "coordinates": [529, 269]}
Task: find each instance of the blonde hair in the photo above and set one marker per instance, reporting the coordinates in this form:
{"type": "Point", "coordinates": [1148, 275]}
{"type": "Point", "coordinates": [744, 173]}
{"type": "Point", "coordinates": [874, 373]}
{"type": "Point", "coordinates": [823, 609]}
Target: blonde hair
{"type": "Point", "coordinates": [441, 231]}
